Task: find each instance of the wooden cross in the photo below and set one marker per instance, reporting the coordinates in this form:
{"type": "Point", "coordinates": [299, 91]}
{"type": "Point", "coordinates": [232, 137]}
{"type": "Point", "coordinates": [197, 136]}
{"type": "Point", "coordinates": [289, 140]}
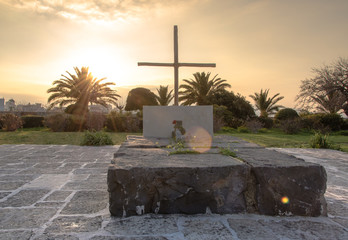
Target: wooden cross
{"type": "Point", "coordinates": [176, 66]}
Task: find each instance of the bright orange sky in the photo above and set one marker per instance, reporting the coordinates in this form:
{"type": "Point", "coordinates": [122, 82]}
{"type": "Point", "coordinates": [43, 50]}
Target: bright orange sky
{"type": "Point", "coordinates": [255, 44]}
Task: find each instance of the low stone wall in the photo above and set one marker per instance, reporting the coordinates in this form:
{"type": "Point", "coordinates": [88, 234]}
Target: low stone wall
{"type": "Point", "coordinates": [145, 178]}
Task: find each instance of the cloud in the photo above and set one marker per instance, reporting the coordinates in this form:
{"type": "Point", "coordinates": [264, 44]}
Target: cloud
{"type": "Point", "coordinates": [106, 10]}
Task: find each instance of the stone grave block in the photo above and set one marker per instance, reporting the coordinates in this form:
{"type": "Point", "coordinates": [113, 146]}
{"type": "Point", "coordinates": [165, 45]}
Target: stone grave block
{"type": "Point", "coordinates": [145, 177]}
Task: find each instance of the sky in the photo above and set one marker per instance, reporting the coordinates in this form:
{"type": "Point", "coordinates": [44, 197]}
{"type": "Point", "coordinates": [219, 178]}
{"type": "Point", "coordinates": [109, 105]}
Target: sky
{"type": "Point", "coordinates": [256, 44]}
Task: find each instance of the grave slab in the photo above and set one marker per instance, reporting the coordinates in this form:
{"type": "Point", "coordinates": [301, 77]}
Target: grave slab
{"type": "Point", "coordinates": [145, 177]}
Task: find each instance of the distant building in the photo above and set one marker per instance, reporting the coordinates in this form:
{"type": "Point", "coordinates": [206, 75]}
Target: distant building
{"type": "Point", "coordinates": [2, 104]}
{"type": "Point", "coordinates": [30, 108]}
{"type": "Point", "coordinates": [10, 105]}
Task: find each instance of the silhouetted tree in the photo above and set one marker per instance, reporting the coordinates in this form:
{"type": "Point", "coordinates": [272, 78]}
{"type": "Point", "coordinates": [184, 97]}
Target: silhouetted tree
{"type": "Point", "coordinates": [139, 97]}
{"type": "Point", "coordinates": [77, 91]}
{"type": "Point", "coordinates": [328, 89]}
{"type": "Point", "coordinates": [163, 97]}
{"type": "Point", "coordinates": [266, 105]}
{"type": "Point", "coordinates": [197, 90]}
{"type": "Point", "coordinates": [236, 104]}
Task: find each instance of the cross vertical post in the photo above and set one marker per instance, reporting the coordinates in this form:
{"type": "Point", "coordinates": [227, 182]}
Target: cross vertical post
{"type": "Point", "coordinates": [176, 66]}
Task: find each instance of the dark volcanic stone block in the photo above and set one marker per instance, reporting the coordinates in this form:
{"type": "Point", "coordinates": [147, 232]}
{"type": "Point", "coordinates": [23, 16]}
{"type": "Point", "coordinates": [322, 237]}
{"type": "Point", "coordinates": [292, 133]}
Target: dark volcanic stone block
{"type": "Point", "coordinates": [144, 178]}
{"type": "Point", "coordinates": [278, 175]}
{"type": "Point", "coordinates": [150, 181]}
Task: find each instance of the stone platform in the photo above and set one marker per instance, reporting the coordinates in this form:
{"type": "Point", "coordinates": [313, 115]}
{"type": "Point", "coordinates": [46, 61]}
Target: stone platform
{"type": "Point", "coordinates": [148, 177]}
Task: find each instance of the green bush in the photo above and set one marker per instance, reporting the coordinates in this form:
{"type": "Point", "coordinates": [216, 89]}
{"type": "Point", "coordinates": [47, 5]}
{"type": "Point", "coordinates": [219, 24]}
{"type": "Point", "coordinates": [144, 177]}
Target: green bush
{"type": "Point", "coordinates": [266, 122]}
{"type": "Point", "coordinates": [254, 125]}
{"type": "Point", "coordinates": [10, 122]}
{"type": "Point", "coordinates": [95, 121]}
{"type": "Point", "coordinates": [32, 121]}
{"type": "Point", "coordinates": [63, 122]}
{"type": "Point", "coordinates": [243, 129]}
{"type": "Point", "coordinates": [122, 122]}
{"type": "Point", "coordinates": [96, 139]}
{"type": "Point", "coordinates": [323, 122]}
{"type": "Point", "coordinates": [286, 114]}
{"type": "Point", "coordinates": [320, 141]}
{"type": "Point", "coordinates": [290, 126]}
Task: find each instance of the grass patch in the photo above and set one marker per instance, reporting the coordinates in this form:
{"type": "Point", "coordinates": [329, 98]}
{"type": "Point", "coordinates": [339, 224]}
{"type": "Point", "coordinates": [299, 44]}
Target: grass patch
{"type": "Point", "coordinates": [227, 152]}
{"type": "Point", "coordinates": [184, 152]}
{"type": "Point", "coordinates": [276, 138]}
{"type": "Point", "coordinates": [44, 136]}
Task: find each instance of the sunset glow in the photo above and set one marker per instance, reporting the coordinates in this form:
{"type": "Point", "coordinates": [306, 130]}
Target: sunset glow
{"type": "Point", "coordinates": [255, 44]}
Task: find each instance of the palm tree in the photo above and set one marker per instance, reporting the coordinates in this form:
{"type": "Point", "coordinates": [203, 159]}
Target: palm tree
{"type": "Point", "coordinates": [164, 98]}
{"type": "Point", "coordinates": [77, 91]}
{"type": "Point", "coordinates": [331, 102]}
{"type": "Point", "coordinates": [198, 90]}
{"type": "Point", "coordinates": [265, 104]}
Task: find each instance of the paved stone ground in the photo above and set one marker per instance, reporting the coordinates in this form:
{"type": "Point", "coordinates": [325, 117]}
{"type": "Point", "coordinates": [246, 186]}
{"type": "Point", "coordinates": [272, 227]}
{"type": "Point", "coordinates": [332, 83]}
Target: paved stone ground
{"type": "Point", "coordinates": [60, 192]}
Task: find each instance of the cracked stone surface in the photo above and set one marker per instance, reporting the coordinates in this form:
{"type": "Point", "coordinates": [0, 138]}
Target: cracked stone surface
{"type": "Point", "coordinates": [146, 178]}
{"type": "Point", "coordinates": [61, 209]}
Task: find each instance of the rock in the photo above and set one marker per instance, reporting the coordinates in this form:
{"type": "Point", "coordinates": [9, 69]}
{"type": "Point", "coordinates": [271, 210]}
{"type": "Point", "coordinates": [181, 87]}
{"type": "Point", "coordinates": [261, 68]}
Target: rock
{"type": "Point", "coordinates": [149, 181]}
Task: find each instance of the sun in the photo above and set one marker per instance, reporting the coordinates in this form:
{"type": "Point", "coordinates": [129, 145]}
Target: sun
{"type": "Point", "coordinates": [103, 62]}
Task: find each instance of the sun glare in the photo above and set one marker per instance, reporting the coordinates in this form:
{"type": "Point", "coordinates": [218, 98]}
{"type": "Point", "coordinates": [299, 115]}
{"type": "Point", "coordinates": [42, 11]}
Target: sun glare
{"type": "Point", "coordinates": [103, 62]}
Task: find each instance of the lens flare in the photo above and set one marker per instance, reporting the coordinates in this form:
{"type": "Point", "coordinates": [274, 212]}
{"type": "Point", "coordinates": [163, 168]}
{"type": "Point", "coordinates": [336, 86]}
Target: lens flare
{"type": "Point", "coordinates": [201, 140]}
{"type": "Point", "coordinates": [285, 200]}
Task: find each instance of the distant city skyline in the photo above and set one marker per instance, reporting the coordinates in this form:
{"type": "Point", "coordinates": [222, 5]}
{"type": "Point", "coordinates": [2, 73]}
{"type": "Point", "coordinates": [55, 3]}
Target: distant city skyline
{"type": "Point", "coordinates": [268, 44]}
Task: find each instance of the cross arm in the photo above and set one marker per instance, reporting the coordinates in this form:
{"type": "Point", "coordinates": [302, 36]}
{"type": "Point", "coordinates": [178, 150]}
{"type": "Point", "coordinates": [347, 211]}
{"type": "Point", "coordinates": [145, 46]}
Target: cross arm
{"type": "Point", "coordinates": [156, 64]}
{"type": "Point", "coordinates": [197, 65]}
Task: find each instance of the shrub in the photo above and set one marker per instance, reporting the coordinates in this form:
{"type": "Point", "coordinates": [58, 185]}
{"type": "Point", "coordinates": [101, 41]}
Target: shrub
{"type": "Point", "coordinates": [32, 121]}
{"type": "Point", "coordinates": [243, 129]}
{"type": "Point", "coordinates": [254, 125]}
{"type": "Point", "coordinates": [95, 121]}
{"type": "Point", "coordinates": [96, 139]}
{"type": "Point", "coordinates": [320, 141]}
{"type": "Point", "coordinates": [323, 122]}
{"type": "Point", "coordinates": [10, 122]}
{"type": "Point", "coordinates": [266, 122]}
{"type": "Point", "coordinates": [57, 122]}
{"type": "Point", "coordinates": [290, 126]}
{"type": "Point", "coordinates": [332, 120]}
{"type": "Point", "coordinates": [63, 122]}
{"type": "Point", "coordinates": [122, 122]}
{"type": "Point", "coordinates": [286, 114]}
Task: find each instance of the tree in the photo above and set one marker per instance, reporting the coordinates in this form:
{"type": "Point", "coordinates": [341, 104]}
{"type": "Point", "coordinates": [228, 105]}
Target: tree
{"type": "Point", "coordinates": [139, 97]}
{"type": "Point", "coordinates": [266, 105]}
{"type": "Point", "coordinates": [234, 103]}
{"type": "Point", "coordinates": [197, 90]}
{"type": "Point", "coordinates": [77, 91]}
{"type": "Point", "coordinates": [164, 98]}
{"type": "Point", "coordinates": [327, 91]}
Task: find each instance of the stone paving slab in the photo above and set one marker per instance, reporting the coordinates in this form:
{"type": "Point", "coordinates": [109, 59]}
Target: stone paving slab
{"type": "Point", "coordinates": [60, 192]}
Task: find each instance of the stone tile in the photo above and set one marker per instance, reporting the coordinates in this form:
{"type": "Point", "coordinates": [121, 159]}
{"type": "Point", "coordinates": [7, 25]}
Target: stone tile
{"type": "Point", "coordinates": [204, 228]}
{"type": "Point", "coordinates": [24, 198]}
{"type": "Point", "coordinates": [58, 196]}
{"type": "Point", "coordinates": [91, 171]}
{"type": "Point", "coordinates": [305, 229]}
{"type": "Point", "coordinates": [14, 218]}
{"type": "Point", "coordinates": [49, 181]}
{"type": "Point", "coordinates": [342, 221]}
{"type": "Point", "coordinates": [15, 235]}
{"type": "Point", "coordinates": [250, 229]}
{"type": "Point", "coordinates": [86, 202]}
{"type": "Point", "coordinates": [129, 238]}
{"type": "Point", "coordinates": [4, 194]}
{"type": "Point", "coordinates": [74, 224]}
{"type": "Point", "coordinates": [18, 178]}
{"type": "Point", "coordinates": [4, 186]}
{"type": "Point", "coordinates": [96, 165]}
{"type": "Point", "coordinates": [85, 185]}
{"type": "Point", "coordinates": [49, 204]}
{"type": "Point", "coordinates": [55, 237]}
{"type": "Point", "coordinates": [143, 225]}
{"type": "Point", "coordinates": [8, 171]}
